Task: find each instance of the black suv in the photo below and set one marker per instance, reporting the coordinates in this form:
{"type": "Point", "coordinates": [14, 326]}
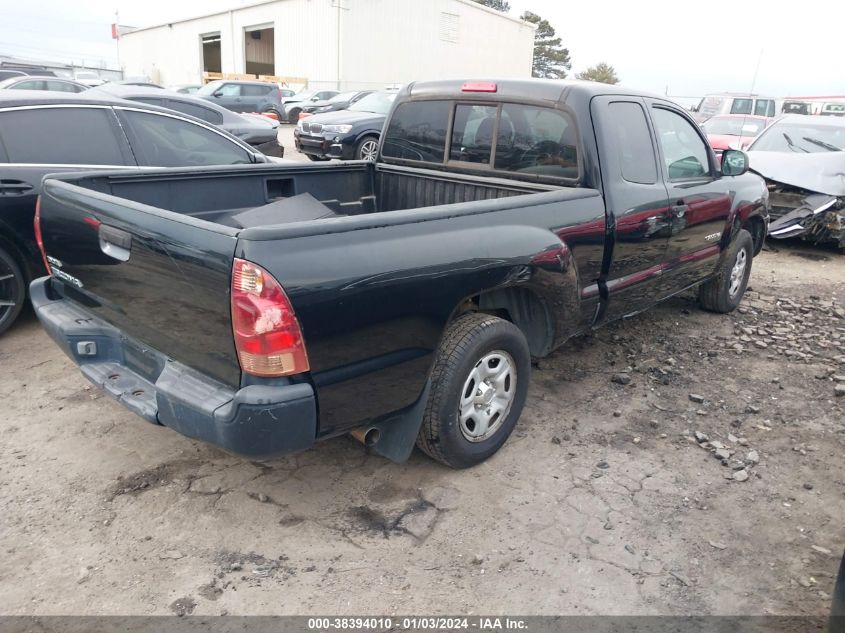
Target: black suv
{"type": "Point", "coordinates": [244, 96]}
{"type": "Point", "coordinates": [47, 132]}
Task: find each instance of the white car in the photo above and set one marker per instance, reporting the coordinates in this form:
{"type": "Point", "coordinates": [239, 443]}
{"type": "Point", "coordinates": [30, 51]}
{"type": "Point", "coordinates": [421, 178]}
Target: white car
{"type": "Point", "coordinates": [88, 78]}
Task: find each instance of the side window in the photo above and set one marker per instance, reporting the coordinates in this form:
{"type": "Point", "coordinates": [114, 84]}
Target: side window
{"type": "Point", "coordinates": [62, 136]}
{"type": "Point", "coordinates": [32, 84]}
{"type": "Point", "coordinates": [230, 90]}
{"type": "Point", "coordinates": [206, 114]}
{"type": "Point", "coordinates": [761, 107]}
{"type": "Point", "coordinates": [62, 86]}
{"type": "Point", "coordinates": [165, 141]}
{"type": "Point", "coordinates": [250, 90]}
{"type": "Point", "coordinates": [741, 106]}
{"type": "Point", "coordinates": [534, 140]}
{"type": "Point", "coordinates": [417, 131]}
{"type": "Point", "coordinates": [155, 101]}
{"type": "Point", "coordinates": [633, 142]}
{"type": "Point", "coordinates": [684, 152]}
{"type": "Point", "coordinates": [472, 133]}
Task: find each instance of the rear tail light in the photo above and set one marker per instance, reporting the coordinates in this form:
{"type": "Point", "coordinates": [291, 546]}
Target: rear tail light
{"type": "Point", "coordinates": [38, 239]}
{"type": "Point", "coordinates": [267, 335]}
{"type": "Point", "coordinates": [479, 86]}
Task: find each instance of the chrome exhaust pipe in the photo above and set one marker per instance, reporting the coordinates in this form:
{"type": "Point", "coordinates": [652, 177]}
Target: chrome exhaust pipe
{"type": "Point", "coordinates": [367, 435]}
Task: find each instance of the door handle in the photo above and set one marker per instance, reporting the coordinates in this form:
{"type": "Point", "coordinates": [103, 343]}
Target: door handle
{"type": "Point", "coordinates": [14, 187]}
{"type": "Point", "coordinates": [115, 242]}
{"type": "Point", "coordinates": [679, 210]}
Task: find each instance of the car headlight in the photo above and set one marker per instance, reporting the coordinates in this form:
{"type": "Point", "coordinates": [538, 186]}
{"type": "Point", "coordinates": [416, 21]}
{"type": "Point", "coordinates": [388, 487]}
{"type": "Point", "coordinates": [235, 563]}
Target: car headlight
{"type": "Point", "coordinates": [337, 129]}
{"type": "Point", "coordinates": [299, 124]}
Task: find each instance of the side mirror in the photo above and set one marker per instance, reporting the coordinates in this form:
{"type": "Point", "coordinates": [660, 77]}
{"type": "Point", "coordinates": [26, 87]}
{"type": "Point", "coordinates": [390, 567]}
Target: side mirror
{"type": "Point", "coordinates": [217, 93]}
{"type": "Point", "coordinates": [315, 98]}
{"type": "Point", "coordinates": [734, 162]}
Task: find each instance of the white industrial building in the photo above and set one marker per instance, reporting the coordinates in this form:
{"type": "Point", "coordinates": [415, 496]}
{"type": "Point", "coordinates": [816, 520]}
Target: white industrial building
{"type": "Point", "coordinates": [340, 44]}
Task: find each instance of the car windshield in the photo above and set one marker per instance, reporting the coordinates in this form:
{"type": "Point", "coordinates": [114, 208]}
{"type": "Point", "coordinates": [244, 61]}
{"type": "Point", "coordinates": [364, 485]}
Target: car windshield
{"type": "Point", "coordinates": [378, 102]}
{"type": "Point", "coordinates": [305, 95]}
{"type": "Point", "coordinates": [343, 96]}
{"type": "Point", "coordinates": [209, 88]}
{"type": "Point", "coordinates": [734, 126]}
{"type": "Point", "coordinates": [801, 138]}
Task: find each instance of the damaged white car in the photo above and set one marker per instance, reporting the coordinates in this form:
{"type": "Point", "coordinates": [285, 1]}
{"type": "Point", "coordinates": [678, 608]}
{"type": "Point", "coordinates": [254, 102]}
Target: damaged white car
{"type": "Point", "coordinates": [802, 159]}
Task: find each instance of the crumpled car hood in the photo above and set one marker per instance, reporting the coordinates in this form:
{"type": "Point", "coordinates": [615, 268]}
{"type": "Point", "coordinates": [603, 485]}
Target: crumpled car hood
{"type": "Point", "coordinates": [823, 172]}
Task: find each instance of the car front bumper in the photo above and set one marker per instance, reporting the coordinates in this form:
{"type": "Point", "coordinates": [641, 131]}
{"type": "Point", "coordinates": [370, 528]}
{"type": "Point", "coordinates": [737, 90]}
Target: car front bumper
{"type": "Point", "coordinates": [321, 146]}
{"type": "Point", "coordinates": [257, 421]}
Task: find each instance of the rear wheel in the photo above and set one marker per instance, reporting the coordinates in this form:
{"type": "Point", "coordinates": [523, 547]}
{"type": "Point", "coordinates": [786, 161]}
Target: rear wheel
{"type": "Point", "coordinates": [478, 388]}
{"type": "Point", "coordinates": [724, 292]}
{"type": "Point", "coordinates": [12, 290]}
{"type": "Point", "coordinates": [293, 115]}
{"type": "Point", "coordinates": [367, 149]}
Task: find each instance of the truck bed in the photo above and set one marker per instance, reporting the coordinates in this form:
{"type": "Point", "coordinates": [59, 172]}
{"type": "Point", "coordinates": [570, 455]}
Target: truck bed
{"type": "Point", "coordinates": [219, 195]}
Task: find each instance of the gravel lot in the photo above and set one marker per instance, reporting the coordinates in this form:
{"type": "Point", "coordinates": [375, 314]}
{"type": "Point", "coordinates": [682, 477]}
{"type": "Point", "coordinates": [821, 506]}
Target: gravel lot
{"type": "Point", "coordinates": [605, 501]}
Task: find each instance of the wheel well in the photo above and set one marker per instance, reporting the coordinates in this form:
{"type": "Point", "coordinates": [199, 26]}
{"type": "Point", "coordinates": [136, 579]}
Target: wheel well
{"type": "Point", "coordinates": [757, 228]}
{"type": "Point", "coordinates": [522, 307]}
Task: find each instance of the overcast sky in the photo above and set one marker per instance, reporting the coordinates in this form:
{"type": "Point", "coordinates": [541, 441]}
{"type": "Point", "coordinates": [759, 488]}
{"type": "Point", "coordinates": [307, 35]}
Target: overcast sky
{"type": "Point", "coordinates": [681, 46]}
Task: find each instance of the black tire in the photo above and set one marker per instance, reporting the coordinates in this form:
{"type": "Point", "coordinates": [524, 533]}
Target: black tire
{"type": "Point", "coordinates": [468, 340]}
{"type": "Point", "coordinates": [367, 148]}
{"type": "Point", "coordinates": [715, 295]}
{"type": "Point", "coordinates": [279, 115]}
{"type": "Point", "coordinates": [293, 115]}
{"type": "Point", "coordinates": [12, 290]}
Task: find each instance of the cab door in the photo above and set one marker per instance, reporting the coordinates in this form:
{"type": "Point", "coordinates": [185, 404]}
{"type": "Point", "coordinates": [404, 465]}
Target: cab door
{"type": "Point", "coordinates": [700, 200]}
{"type": "Point", "coordinates": [637, 204]}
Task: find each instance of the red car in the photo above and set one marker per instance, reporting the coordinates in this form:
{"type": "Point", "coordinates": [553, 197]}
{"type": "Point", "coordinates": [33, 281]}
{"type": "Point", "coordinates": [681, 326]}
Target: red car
{"type": "Point", "coordinates": [733, 131]}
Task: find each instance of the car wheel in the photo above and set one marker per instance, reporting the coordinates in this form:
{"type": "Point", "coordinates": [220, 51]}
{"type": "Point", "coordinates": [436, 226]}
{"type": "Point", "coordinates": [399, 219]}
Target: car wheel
{"type": "Point", "coordinates": [724, 292]}
{"type": "Point", "coordinates": [293, 115]}
{"type": "Point", "coordinates": [12, 290]}
{"type": "Point", "coordinates": [279, 116]}
{"type": "Point", "coordinates": [367, 149]}
{"type": "Point", "coordinates": [479, 384]}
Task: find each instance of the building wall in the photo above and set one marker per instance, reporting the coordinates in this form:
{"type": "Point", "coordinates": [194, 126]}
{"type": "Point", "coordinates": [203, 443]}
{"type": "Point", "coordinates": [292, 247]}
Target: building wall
{"type": "Point", "coordinates": [172, 54]}
{"type": "Point", "coordinates": [397, 41]}
{"type": "Point", "coordinates": [378, 42]}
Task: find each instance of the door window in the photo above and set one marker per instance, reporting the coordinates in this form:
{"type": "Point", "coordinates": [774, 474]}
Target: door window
{"type": "Point", "coordinates": [633, 142]}
{"type": "Point", "coordinates": [61, 136]}
{"type": "Point", "coordinates": [166, 141]}
{"type": "Point", "coordinates": [230, 90]}
{"type": "Point", "coordinates": [761, 107]}
{"type": "Point", "coordinates": [684, 152]}
{"type": "Point", "coordinates": [62, 86]}
{"type": "Point", "coordinates": [249, 90]}
{"type": "Point", "coordinates": [741, 106]}
{"type": "Point", "coordinates": [195, 110]}
{"type": "Point", "coordinates": [32, 84]}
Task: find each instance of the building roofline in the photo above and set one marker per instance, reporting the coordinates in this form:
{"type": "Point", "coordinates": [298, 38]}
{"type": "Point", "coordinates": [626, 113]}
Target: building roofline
{"type": "Point", "coordinates": [259, 3]}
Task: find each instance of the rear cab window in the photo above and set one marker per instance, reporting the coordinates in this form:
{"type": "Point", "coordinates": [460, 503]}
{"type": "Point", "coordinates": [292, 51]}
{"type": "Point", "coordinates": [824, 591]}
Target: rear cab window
{"type": "Point", "coordinates": [507, 139]}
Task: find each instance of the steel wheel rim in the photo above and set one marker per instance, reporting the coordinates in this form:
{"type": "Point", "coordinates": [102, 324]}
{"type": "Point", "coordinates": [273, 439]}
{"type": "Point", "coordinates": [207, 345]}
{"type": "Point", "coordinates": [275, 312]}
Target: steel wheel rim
{"type": "Point", "coordinates": [369, 149]}
{"type": "Point", "coordinates": [738, 272]}
{"type": "Point", "coordinates": [9, 290]}
{"type": "Point", "coordinates": [487, 396]}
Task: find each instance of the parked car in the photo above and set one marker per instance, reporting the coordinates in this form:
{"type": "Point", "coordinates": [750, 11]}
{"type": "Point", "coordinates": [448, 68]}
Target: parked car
{"type": "Point", "coordinates": [89, 78]}
{"type": "Point", "coordinates": [338, 102]}
{"type": "Point", "coordinates": [27, 82]}
{"type": "Point", "coordinates": [187, 89]}
{"type": "Point", "coordinates": [46, 132]}
{"type": "Point", "coordinates": [7, 71]}
{"type": "Point", "coordinates": [244, 96]}
{"type": "Point", "coordinates": [833, 109]}
{"type": "Point", "coordinates": [802, 159]}
{"type": "Point", "coordinates": [733, 131]}
{"type": "Point", "coordinates": [294, 104]}
{"type": "Point", "coordinates": [402, 300]}
{"type": "Point", "coordinates": [734, 103]}
{"type": "Point", "coordinates": [260, 132]}
{"type": "Point", "coordinates": [138, 81]}
{"type": "Point", "coordinates": [347, 134]}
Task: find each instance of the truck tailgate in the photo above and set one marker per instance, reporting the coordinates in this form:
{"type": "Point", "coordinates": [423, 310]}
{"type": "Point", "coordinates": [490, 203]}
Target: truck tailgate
{"type": "Point", "coordinates": [158, 277]}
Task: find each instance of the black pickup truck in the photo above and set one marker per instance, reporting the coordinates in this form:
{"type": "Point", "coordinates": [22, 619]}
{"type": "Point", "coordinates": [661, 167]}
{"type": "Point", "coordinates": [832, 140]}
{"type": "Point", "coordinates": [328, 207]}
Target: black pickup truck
{"type": "Point", "coordinates": [263, 308]}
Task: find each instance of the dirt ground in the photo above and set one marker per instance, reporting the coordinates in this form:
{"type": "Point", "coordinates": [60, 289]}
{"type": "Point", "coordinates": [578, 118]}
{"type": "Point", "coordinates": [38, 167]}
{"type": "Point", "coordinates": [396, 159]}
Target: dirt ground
{"type": "Point", "coordinates": [604, 501]}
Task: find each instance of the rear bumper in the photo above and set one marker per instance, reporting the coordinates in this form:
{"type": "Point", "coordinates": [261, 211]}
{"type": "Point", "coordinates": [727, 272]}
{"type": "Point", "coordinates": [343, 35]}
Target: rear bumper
{"type": "Point", "coordinates": [256, 421]}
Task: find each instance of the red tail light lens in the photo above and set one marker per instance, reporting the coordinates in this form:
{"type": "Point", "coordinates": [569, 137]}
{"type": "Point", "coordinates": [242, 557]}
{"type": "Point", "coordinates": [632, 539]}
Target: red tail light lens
{"type": "Point", "coordinates": [267, 335]}
{"type": "Point", "coordinates": [38, 239]}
